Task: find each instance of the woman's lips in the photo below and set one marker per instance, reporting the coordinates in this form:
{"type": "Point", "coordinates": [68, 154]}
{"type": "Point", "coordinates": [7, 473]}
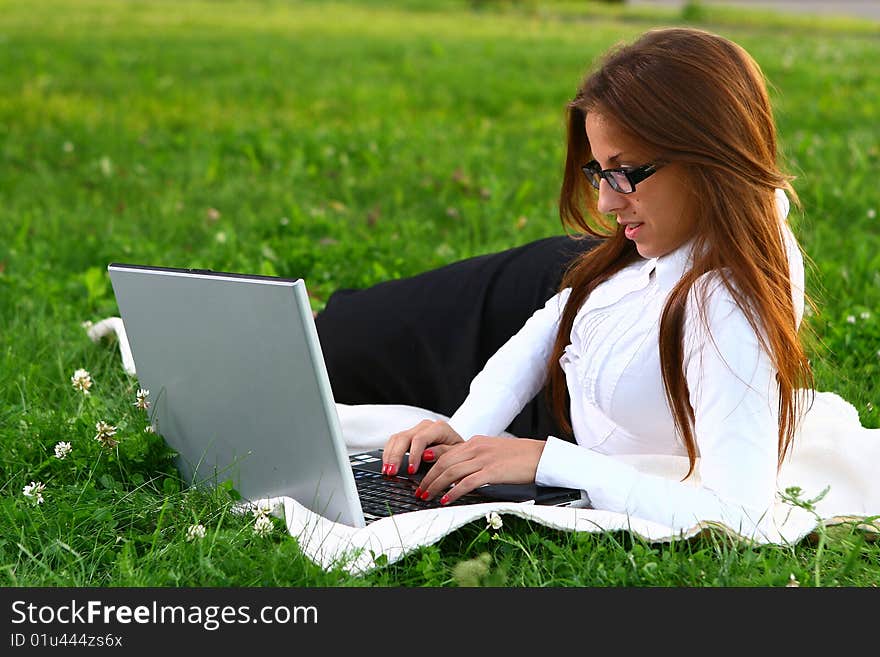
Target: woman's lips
{"type": "Point", "coordinates": [631, 231]}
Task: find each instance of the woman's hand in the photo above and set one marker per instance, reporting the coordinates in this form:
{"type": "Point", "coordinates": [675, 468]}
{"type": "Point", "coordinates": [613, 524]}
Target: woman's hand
{"type": "Point", "coordinates": [481, 460]}
{"type": "Point", "coordinates": [435, 433]}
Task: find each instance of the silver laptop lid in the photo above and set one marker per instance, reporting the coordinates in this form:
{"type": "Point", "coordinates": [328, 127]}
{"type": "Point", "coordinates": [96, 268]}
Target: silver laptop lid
{"type": "Point", "coordinates": [238, 383]}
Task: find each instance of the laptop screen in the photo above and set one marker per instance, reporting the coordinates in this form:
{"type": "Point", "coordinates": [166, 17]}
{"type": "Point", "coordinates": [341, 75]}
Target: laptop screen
{"type": "Point", "coordinates": [240, 389]}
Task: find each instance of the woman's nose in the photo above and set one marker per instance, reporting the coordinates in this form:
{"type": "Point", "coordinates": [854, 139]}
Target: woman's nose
{"type": "Point", "coordinates": [610, 201]}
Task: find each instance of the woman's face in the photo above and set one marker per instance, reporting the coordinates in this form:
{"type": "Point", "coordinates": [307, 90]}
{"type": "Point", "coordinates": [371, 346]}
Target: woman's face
{"type": "Point", "coordinates": [656, 216]}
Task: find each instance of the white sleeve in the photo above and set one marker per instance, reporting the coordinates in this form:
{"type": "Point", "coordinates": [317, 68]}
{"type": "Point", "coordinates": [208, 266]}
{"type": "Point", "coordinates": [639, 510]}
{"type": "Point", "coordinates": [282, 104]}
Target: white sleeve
{"type": "Point", "coordinates": [512, 376]}
{"type": "Point", "coordinates": [733, 393]}
{"type": "Point", "coordinates": [796, 270]}
{"type": "Point", "coordinates": [795, 257]}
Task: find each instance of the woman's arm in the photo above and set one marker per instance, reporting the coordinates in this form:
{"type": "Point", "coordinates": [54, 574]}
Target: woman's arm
{"type": "Point", "coordinates": [512, 376]}
{"type": "Point", "coordinates": [508, 381]}
{"type": "Point", "coordinates": [733, 393]}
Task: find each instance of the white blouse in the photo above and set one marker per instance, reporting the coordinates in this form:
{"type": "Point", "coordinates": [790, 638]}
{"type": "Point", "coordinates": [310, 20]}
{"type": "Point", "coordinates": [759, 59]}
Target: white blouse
{"type": "Point", "coordinates": [618, 404]}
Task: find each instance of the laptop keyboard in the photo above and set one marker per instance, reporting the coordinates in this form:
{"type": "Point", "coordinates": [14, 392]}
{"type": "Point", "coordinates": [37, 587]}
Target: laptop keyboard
{"type": "Point", "coordinates": [382, 496]}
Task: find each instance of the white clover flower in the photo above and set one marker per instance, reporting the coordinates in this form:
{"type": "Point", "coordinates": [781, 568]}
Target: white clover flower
{"type": "Point", "coordinates": [34, 491]}
{"type": "Point", "coordinates": [851, 319]}
{"type": "Point", "coordinates": [81, 380]}
{"type": "Point", "coordinates": [261, 511]}
{"type": "Point", "coordinates": [220, 237]}
{"type": "Point", "coordinates": [195, 531]}
{"type": "Point", "coordinates": [792, 581]}
{"type": "Point", "coordinates": [865, 315]}
{"type": "Point", "coordinates": [67, 147]}
{"type": "Point", "coordinates": [142, 402]}
{"type": "Point", "coordinates": [105, 434]}
{"type": "Point", "coordinates": [149, 429]}
{"type": "Point", "coordinates": [872, 213]}
{"type": "Point", "coordinates": [493, 520]}
{"type": "Point", "coordinates": [62, 449]}
{"type": "Point", "coordinates": [263, 525]}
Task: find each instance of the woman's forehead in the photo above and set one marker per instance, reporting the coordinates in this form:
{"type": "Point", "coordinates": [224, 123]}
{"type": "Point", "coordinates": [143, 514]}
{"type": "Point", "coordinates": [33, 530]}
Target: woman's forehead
{"type": "Point", "coordinates": [609, 141]}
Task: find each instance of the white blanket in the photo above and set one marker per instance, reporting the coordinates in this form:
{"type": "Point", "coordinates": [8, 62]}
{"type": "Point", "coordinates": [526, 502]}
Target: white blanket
{"type": "Point", "coordinates": [832, 450]}
{"type": "Point", "coordinates": [833, 454]}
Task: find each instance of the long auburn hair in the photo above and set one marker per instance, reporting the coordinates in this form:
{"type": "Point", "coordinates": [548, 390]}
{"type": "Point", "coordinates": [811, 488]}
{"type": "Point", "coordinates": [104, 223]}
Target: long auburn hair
{"type": "Point", "coordinates": [700, 100]}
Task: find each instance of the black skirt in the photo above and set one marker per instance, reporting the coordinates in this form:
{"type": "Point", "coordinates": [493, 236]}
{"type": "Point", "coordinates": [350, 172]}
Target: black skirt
{"type": "Point", "coordinates": [421, 340]}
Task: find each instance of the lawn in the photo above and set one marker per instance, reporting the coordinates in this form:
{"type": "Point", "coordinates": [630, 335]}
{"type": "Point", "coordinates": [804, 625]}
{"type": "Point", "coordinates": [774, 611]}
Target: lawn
{"type": "Point", "coordinates": [348, 144]}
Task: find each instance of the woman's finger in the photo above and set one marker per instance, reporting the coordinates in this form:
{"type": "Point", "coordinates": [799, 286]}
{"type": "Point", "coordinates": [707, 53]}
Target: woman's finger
{"type": "Point", "coordinates": [457, 462]}
{"type": "Point", "coordinates": [464, 486]}
{"type": "Point", "coordinates": [397, 445]}
{"type": "Point", "coordinates": [453, 481]}
{"type": "Point", "coordinates": [431, 454]}
{"type": "Point", "coordinates": [415, 440]}
{"type": "Point", "coordinates": [439, 433]}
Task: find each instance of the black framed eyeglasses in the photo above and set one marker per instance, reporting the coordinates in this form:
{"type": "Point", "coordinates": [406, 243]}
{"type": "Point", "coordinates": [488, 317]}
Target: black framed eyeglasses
{"type": "Point", "coordinates": [622, 180]}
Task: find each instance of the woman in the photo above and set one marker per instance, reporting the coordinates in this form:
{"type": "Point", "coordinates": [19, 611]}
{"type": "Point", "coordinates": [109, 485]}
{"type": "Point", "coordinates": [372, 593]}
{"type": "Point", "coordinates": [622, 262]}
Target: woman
{"type": "Point", "coordinates": [677, 334]}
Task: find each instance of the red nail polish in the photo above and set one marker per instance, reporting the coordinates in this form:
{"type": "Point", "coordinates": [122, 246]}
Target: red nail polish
{"type": "Point", "coordinates": [385, 467]}
{"type": "Point", "coordinates": [392, 469]}
{"type": "Point", "coordinates": [418, 492]}
{"type": "Point", "coordinates": [428, 455]}
{"type": "Point", "coordinates": [411, 468]}
{"type": "Point", "coordinates": [425, 495]}
{"type": "Point", "coordinates": [444, 499]}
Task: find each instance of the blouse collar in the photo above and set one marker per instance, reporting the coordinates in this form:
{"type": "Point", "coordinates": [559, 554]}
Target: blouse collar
{"type": "Point", "coordinates": [669, 268]}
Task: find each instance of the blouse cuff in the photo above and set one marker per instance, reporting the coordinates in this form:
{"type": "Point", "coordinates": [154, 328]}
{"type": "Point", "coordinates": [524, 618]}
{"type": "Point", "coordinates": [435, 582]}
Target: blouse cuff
{"type": "Point", "coordinates": [568, 465]}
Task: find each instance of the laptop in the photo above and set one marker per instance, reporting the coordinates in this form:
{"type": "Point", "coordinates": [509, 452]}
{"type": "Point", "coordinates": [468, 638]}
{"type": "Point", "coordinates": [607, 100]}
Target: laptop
{"type": "Point", "coordinates": [240, 391]}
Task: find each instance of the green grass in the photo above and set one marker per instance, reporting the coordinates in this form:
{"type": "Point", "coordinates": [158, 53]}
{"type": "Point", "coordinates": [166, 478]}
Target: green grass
{"type": "Point", "coordinates": [348, 144]}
